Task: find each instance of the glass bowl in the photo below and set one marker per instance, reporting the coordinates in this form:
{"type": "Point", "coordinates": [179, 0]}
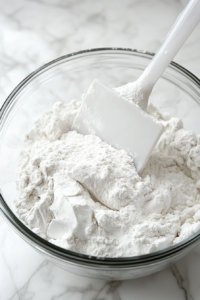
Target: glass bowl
{"type": "Point", "coordinates": [64, 79]}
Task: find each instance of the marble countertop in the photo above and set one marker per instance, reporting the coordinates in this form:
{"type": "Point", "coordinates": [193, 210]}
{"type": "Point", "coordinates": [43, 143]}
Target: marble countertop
{"type": "Point", "coordinates": [33, 32]}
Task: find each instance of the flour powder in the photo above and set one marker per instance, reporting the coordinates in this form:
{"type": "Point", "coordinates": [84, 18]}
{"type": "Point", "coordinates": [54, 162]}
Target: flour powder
{"type": "Point", "coordinates": [81, 194]}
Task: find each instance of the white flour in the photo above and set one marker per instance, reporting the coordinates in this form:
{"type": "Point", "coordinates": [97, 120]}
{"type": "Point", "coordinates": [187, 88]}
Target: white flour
{"type": "Point", "coordinates": [81, 194]}
{"type": "Point", "coordinates": [137, 91]}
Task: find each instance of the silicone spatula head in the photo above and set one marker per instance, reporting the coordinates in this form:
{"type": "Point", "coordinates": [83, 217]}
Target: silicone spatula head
{"type": "Point", "coordinates": [119, 122]}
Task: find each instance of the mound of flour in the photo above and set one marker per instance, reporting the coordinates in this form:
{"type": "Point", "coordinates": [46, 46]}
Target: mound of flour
{"type": "Point", "coordinates": [81, 194]}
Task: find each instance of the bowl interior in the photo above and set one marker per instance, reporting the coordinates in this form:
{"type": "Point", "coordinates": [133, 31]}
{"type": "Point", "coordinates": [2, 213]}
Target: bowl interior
{"type": "Point", "coordinates": [68, 78]}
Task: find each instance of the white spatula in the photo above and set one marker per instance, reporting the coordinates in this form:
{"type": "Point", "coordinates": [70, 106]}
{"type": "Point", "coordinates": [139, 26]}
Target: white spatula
{"type": "Point", "coordinates": [118, 116]}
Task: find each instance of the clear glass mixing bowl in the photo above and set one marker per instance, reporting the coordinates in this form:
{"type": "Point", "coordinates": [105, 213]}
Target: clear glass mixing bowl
{"type": "Point", "coordinates": [66, 78]}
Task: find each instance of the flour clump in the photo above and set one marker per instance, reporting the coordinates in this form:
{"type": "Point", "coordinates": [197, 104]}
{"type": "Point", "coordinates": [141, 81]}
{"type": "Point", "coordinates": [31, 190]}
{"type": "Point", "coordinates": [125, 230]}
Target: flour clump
{"type": "Point", "coordinates": [83, 195]}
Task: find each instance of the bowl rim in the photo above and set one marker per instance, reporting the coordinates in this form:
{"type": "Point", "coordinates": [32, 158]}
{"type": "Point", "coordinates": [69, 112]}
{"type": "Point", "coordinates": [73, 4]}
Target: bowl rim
{"type": "Point", "coordinates": [53, 250]}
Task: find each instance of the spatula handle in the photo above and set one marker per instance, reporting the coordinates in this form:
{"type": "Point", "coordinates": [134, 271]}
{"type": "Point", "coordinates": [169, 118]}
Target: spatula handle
{"type": "Point", "coordinates": [182, 28]}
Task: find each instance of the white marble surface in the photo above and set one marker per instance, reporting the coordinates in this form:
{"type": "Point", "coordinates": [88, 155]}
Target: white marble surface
{"type": "Point", "coordinates": [35, 32]}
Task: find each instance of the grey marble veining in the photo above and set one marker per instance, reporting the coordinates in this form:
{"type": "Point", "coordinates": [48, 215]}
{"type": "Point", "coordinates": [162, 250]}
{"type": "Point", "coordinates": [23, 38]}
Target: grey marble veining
{"type": "Point", "coordinates": [33, 32]}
